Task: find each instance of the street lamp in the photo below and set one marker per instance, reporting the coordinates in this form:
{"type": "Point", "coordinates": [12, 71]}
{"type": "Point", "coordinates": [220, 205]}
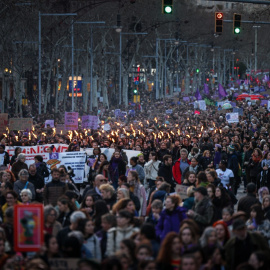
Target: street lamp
{"type": "Point", "coordinates": [118, 25]}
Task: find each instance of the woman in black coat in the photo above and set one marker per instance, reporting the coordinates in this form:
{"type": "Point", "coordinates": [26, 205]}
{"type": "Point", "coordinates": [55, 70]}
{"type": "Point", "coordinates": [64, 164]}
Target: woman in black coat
{"type": "Point", "coordinates": [255, 167]}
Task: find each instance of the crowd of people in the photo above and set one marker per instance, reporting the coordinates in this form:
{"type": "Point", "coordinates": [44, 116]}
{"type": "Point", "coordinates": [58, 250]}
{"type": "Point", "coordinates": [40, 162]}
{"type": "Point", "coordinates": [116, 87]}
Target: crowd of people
{"type": "Point", "coordinates": [131, 214]}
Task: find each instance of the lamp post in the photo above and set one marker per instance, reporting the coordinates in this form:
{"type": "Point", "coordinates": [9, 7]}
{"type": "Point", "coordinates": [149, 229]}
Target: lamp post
{"type": "Point", "coordinates": [39, 50]}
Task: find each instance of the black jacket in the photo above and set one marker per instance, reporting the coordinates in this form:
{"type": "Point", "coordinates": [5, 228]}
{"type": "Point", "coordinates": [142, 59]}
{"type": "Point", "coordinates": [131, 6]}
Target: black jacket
{"type": "Point", "coordinates": [246, 202]}
{"type": "Point", "coordinates": [166, 172]}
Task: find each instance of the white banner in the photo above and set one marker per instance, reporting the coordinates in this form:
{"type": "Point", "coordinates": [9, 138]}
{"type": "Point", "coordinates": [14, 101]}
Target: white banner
{"type": "Point", "coordinates": [74, 160]}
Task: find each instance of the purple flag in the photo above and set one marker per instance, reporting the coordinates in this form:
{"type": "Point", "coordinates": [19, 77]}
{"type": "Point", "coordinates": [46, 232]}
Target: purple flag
{"type": "Point", "coordinates": [206, 89]}
{"type": "Point", "coordinates": [198, 95]}
{"type": "Point", "coordinates": [221, 91]}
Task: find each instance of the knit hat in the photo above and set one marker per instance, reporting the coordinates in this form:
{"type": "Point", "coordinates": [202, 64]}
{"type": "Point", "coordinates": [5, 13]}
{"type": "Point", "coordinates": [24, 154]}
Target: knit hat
{"type": "Point", "coordinates": [231, 148]}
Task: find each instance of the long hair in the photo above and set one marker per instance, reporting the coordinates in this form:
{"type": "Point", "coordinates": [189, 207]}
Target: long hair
{"type": "Point", "coordinates": [205, 236]}
{"type": "Point", "coordinates": [259, 213]}
{"type": "Point", "coordinates": [164, 255]}
{"type": "Point", "coordinates": [120, 205]}
{"type": "Point", "coordinates": [13, 179]}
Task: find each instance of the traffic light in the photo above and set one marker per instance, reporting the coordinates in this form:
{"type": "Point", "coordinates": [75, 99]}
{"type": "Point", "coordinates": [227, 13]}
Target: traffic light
{"type": "Point", "coordinates": [135, 91]}
{"type": "Point", "coordinates": [236, 23]}
{"type": "Point", "coordinates": [218, 22]}
{"type": "Point", "coordinates": [207, 79]}
{"type": "Point", "coordinates": [197, 70]}
{"type": "Point", "coordinates": [167, 6]}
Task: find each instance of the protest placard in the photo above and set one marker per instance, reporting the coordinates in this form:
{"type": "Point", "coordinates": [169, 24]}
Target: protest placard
{"type": "Point", "coordinates": [28, 227]}
{"type": "Point", "coordinates": [268, 105]}
{"type": "Point", "coordinates": [20, 123]}
{"type": "Point", "coordinates": [182, 191]}
{"type": "Point", "coordinates": [168, 111]}
{"type": "Point", "coordinates": [90, 121]}
{"type": "Point", "coordinates": [63, 264]}
{"type": "Point", "coordinates": [232, 117]}
{"type": "Point", "coordinates": [239, 111]}
{"type": "Point", "coordinates": [202, 105]}
{"type": "Point", "coordinates": [3, 122]}
{"type": "Point", "coordinates": [71, 120]}
{"type": "Point", "coordinates": [50, 123]}
{"type": "Point", "coordinates": [60, 129]}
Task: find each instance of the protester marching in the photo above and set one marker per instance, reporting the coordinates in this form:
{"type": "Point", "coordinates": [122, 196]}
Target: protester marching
{"type": "Point", "coordinates": [149, 186]}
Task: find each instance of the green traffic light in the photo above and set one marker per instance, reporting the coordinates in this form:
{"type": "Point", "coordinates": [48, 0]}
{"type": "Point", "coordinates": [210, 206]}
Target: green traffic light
{"type": "Point", "coordinates": [197, 70]}
{"type": "Point", "coordinates": [236, 30]}
{"type": "Point", "coordinates": [168, 9]}
{"type": "Point", "coordinates": [135, 91]}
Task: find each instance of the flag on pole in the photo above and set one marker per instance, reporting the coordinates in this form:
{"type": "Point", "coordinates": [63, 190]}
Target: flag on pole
{"type": "Point", "coordinates": [221, 91]}
{"type": "Point", "coordinates": [198, 95]}
{"type": "Point", "coordinates": [206, 89]}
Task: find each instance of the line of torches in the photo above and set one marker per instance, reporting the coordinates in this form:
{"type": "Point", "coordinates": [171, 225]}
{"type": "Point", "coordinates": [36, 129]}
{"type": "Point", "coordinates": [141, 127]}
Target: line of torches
{"type": "Point", "coordinates": [116, 133]}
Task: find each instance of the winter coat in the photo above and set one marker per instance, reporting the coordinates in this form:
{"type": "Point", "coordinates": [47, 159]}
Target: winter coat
{"type": "Point", "coordinates": [17, 166]}
{"type": "Point", "coordinates": [93, 245]}
{"type": "Point", "coordinates": [162, 152]}
{"type": "Point", "coordinates": [116, 235]}
{"type": "Point", "coordinates": [42, 170]}
{"type": "Point", "coordinates": [166, 172]}
{"type": "Point", "coordinates": [233, 163]}
{"type": "Point", "coordinates": [170, 221]}
{"type": "Point", "coordinates": [120, 169]}
{"type": "Point", "coordinates": [151, 169]}
{"type": "Point", "coordinates": [204, 212]}
{"type": "Point", "coordinates": [246, 202]}
{"type": "Point", "coordinates": [19, 186]}
{"type": "Point", "coordinates": [177, 174]}
{"type": "Point", "coordinates": [139, 169]}
{"type": "Point", "coordinates": [53, 191]}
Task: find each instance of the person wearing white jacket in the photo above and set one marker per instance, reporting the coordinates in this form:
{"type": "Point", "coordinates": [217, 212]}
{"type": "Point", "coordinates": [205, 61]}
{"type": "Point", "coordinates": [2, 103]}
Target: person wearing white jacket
{"type": "Point", "coordinates": [123, 230]}
{"type": "Point", "coordinates": [151, 169]}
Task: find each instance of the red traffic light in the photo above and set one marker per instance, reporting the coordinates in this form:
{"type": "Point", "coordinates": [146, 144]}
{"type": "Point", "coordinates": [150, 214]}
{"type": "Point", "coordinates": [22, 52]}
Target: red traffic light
{"type": "Point", "coordinates": [219, 15]}
{"type": "Point", "coordinates": [207, 79]}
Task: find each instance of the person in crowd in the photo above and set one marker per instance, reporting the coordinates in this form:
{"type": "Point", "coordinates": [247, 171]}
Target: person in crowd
{"type": "Point", "coordinates": [165, 171]}
{"type": "Point", "coordinates": [212, 177]}
{"type": "Point", "coordinates": [259, 260]}
{"type": "Point", "coordinates": [258, 223]}
{"type": "Point", "coordinates": [180, 166]}
{"type": "Point", "coordinates": [51, 225]}
{"type": "Point", "coordinates": [265, 171]}
{"type": "Point", "coordinates": [10, 177]}
{"type": "Point", "coordinates": [4, 161]}
{"type": "Point", "coordinates": [211, 189]}
{"type": "Point", "coordinates": [169, 253]}
{"type": "Point", "coordinates": [141, 160]}
{"type": "Point", "coordinates": [266, 206]}
{"type": "Point", "coordinates": [23, 183]}
{"type": "Point", "coordinates": [194, 167]}
{"type": "Point", "coordinates": [26, 196]}
{"type": "Point", "coordinates": [54, 189]}
{"type": "Point", "coordinates": [221, 200]}
{"type": "Point", "coordinates": [206, 160]}
{"type": "Point", "coordinates": [208, 239]}
{"type": "Point", "coordinates": [201, 180]}
{"type": "Point", "coordinates": [100, 209]}
{"type": "Point", "coordinates": [104, 170]}
{"type": "Point", "coordinates": [11, 200]}
{"type": "Point", "coordinates": [190, 179]}
{"type": "Point", "coordinates": [156, 208]}
{"type": "Point", "coordinates": [62, 235]}
{"type": "Point", "coordinates": [247, 201]}
{"type": "Point", "coordinates": [161, 193]}
{"type": "Point", "coordinates": [123, 230]}
{"type": "Point", "coordinates": [17, 151]}
{"type": "Point", "coordinates": [41, 167]}
{"type": "Point", "coordinates": [163, 151]}
{"type": "Point", "coordinates": [122, 180]}
{"type": "Point", "coordinates": [171, 217]}
{"type": "Point", "coordinates": [108, 221]}
{"type": "Point", "coordinates": [138, 189]}
{"type": "Point", "coordinates": [37, 181]}
{"type": "Point", "coordinates": [151, 169]}
{"type": "Point", "coordinates": [51, 245]}
{"type": "Point", "coordinates": [66, 208]}
{"type": "Point", "coordinates": [225, 175]}
{"type": "Point", "coordinates": [88, 205]}
{"type": "Point", "coordinates": [263, 191]}
{"type": "Point", "coordinates": [18, 165]}
{"type": "Point", "coordinates": [255, 167]}
{"type": "Point", "coordinates": [86, 226]}
{"type": "Point", "coordinates": [124, 204]}
{"type": "Point", "coordinates": [203, 210]}
{"type": "Point", "coordinates": [95, 192]}
{"type": "Point", "coordinates": [122, 193]}
{"type": "Point", "coordinates": [222, 232]}
{"type": "Point", "coordinates": [217, 155]}
{"type": "Point", "coordinates": [187, 238]}
{"type": "Point", "coordinates": [244, 241]}
{"type": "Point", "coordinates": [132, 196]}
{"type": "Point", "coordinates": [138, 168]}
{"type": "Point", "coordinates": [108, 195]}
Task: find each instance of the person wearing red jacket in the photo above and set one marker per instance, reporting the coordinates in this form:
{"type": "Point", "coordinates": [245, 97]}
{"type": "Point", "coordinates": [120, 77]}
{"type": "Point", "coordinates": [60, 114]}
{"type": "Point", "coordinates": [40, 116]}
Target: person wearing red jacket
{"type": "Point", "coordinates": [180, 165]}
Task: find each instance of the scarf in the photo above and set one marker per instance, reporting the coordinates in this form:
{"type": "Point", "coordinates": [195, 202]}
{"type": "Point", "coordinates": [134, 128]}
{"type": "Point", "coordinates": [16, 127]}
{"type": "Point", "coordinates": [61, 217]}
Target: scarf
{"type": "Point", "coordinates": [256, 159]}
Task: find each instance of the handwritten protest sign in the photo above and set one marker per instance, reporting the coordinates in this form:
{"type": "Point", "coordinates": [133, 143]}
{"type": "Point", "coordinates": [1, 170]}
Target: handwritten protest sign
{"type": "Point", "coordinates": [49, 122]}
{"type": "Point", "coordinates": [20, 123]}
{"type": "Point", "coordinates": [232, 117]}
{"type": "Point", "coordinates": [90, 121]}
{"type": "Point", "coordinates": [71, 120]}
{"type": "Point", "coordinates": [182, 191]}
{"type": "Point", "coordinates": [117, 113]}
{"type": "Point", "coordinates": [3, 122]}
